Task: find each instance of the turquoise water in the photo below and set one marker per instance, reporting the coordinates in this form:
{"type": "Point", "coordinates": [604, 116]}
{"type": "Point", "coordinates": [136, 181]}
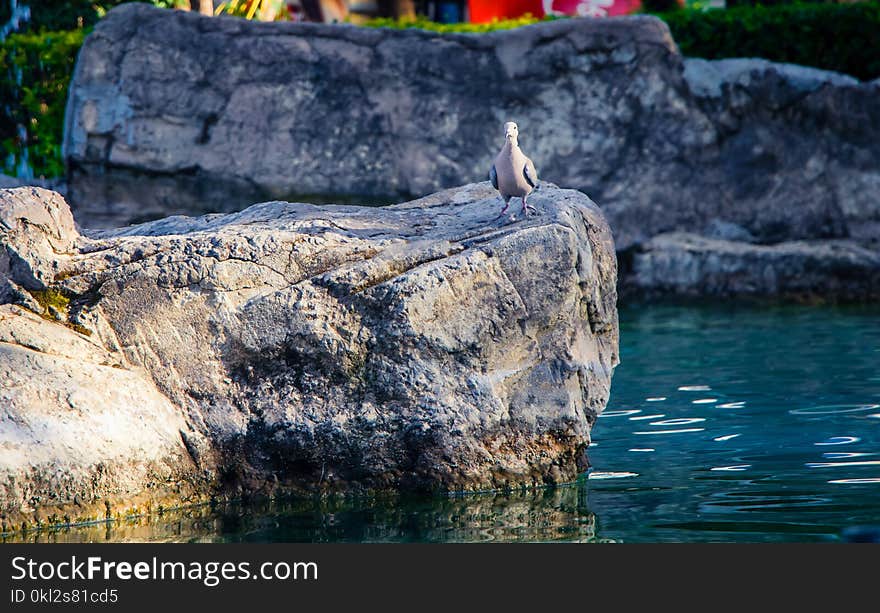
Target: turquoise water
{"type": "Point", "coordinates": [762, 424]}
{"type": "Point", "coordinates": [725, 424]}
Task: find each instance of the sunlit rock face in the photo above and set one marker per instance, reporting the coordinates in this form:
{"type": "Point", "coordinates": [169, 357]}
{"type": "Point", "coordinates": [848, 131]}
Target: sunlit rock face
{"type": "Point", "coordinates": [171, 112]}
{"type": "Point", "coordinates": [291, 347]}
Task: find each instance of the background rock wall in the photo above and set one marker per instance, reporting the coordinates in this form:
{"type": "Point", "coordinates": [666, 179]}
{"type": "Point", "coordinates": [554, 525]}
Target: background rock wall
{"type": "Point", "coordinates": [173, 113]}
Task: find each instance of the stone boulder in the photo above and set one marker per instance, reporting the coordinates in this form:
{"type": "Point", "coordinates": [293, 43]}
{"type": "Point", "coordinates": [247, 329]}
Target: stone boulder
{"type": "Point", "coordinates": [805, 271]}
{"type": "Point", "coordinates": [169, 110]}
{"type": "Point", "coordinates": [297, 348]}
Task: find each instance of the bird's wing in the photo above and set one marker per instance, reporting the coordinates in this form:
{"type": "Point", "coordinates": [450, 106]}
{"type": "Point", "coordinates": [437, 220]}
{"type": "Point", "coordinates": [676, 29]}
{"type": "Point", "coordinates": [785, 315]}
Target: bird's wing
{"type": "Point", "coordinates": [493, 177]}
{"type": "Point", "coordinates": [530, 174]}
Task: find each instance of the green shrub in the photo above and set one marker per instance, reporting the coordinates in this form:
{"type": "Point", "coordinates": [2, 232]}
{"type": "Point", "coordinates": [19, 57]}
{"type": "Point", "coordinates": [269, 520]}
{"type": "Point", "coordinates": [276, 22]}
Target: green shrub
{"type": "Point", "coordinates": [422, 23]}
{"type": "Point", "coordinates": [661, 6]}
{"type": "Point", "coordinates": [65, 14]}
{"type": "Point", "coordinates": [840, 37]}
{"type": "Point", "coordinates": [54, 15]}
{"type": "Point", "coordinates": [35, 70]}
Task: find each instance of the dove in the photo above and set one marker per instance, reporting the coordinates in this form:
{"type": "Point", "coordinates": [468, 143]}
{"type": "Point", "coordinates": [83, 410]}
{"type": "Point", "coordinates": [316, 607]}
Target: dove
{"type": "Point", "coordinates": [513, 174]}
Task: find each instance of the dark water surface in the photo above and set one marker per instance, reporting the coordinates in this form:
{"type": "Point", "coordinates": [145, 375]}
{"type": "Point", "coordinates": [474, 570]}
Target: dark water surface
{"type": "Point", "coordinates": [725, 424]}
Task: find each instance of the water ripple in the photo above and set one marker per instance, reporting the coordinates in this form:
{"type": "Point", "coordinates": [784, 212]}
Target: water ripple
{"type": "Point", "coordinates": [671, 431]}
{"type": "Point", "coordinates": [833, 464]}
{"type": "Point", "coordinates": [726, 437]}
{"type": "Point", "coordinates": [839, 440]}
{"type": "Point", "coordinates": [610, 475]}
{"type": "Point", "coordinates": [620, 413]}
{"type": "Point", "coordinates": [642, 417]}
{"type": "Point", "coordinates": [680, 421]}
{"type": "Point", "coordinates": [734, 468]}
{"type": "Point", "coordinates": [835, 409]}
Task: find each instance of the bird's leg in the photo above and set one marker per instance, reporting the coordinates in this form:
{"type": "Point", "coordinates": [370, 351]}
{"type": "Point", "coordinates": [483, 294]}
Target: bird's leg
{"type": "Point", "coordinates": [504, 210]}
{"type": "Point", "coordinates": [526, 207]}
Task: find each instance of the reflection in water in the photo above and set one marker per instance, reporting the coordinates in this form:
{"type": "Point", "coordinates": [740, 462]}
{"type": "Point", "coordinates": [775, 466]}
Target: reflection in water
{"type": "Point", "coordinates": [680, 421]}
{"type": "Point", "coordinates": [113, 197]}
{"type": "Point", "coordinates": [678, 431]}
{"type": "Point", "coordinates": [726, 437]}
{"type": "Point", "coordinates": [608, 414]}
{"type": "Point", "coordinates": [543, 515]}
{"type": "Point", "coordinates": [782, 453]}
{"type": "Point", "coordinates": [831, 409]}
{"type": "Point", "coordinates": [833, 464]}
{"type": "Point", "coordinates": [839, 440]}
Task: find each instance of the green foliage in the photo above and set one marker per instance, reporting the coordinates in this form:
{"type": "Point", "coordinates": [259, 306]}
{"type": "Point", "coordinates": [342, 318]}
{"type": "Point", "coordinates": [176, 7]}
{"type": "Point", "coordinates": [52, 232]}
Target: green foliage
{"type": "Point", "coordinates": [661, 6]}
{"type": "Point", "coordinates": [422, 23]}
{"type": "Point", "coordinates": [35, 70]}
{"type": "Point", "coordinates": [53, 15]}
{"type": "Point", "coordinates": [65, 14]}
{"type": "Point", "coordinates": [56, 307]}
{"type": "Point", "coordinates": [840, 37]}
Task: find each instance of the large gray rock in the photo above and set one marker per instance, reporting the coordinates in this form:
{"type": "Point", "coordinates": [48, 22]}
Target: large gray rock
{"type": "Point", "coordinates": [606, 106]}
{"type": "Point", "coordinates": [291, 347]}
{"type": "Point", "coordinates": [691, 265]}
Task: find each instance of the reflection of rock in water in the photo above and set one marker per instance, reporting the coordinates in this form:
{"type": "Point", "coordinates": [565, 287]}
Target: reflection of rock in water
{"type": "Point", "coordinates": [110, 198]}
{"type": "Point", "coordinates": [559, 513]}
{"type": "Point", "coordinates": [119, 197]}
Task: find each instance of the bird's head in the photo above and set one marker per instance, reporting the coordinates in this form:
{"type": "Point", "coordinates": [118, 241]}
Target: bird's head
{"type": "Point", "coordinates": [511, 132]}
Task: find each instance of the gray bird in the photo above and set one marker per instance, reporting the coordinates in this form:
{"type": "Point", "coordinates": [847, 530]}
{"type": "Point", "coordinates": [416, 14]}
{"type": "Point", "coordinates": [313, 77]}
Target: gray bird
{"type": "Point", "coordinates": [513, 174]}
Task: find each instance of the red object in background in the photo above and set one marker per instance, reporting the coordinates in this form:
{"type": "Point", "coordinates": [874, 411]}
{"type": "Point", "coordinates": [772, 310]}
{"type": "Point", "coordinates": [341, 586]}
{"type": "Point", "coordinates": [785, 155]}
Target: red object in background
{"type": "Point", "coordinates": [483, 11]}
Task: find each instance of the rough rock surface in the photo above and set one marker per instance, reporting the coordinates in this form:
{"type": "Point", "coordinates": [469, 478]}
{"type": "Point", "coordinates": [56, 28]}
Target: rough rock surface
{"type": "Point", "coordinates": [691, 265]}
{"type": "Point", "coordinates": [295, 347]}
{"type": "Point", "coordinates": [170, 112]}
